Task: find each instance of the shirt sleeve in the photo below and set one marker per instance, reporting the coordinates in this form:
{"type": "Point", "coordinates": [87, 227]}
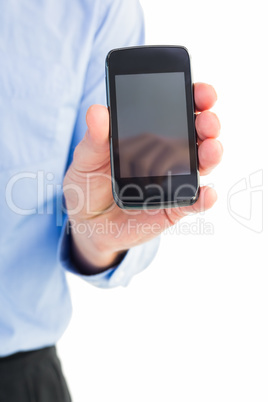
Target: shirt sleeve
{"type": "Point", "coordinates": [121, 24]}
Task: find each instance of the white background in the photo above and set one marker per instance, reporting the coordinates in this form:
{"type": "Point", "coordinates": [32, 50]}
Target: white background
{"type": "Point", "coordinates": [193, 326]}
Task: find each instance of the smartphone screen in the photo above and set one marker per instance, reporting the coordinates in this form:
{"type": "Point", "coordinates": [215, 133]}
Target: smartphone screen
{"type": "Point", "coordinates": [151, 112]}
{"type": "Point", "coordinates": [153, 145]}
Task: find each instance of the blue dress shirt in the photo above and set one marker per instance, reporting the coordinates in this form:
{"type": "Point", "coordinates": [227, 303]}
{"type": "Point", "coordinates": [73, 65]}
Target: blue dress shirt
{"type": "Point", "coordinates": [52, 57]}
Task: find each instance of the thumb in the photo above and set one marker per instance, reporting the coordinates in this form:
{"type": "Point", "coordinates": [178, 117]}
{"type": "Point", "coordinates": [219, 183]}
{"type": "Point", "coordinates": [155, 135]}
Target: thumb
{"type": "Point", "coordinates": [92, 153]}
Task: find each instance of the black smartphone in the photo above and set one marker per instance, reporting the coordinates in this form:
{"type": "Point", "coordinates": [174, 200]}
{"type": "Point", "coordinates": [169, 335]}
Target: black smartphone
{"type": "Point", "coordinates": [153, 145]}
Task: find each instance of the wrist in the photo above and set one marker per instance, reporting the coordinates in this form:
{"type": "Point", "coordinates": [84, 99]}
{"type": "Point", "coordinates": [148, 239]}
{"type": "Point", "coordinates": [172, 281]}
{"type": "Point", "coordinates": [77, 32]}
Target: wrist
{"type": "Point", "coordinates": [89, 259]}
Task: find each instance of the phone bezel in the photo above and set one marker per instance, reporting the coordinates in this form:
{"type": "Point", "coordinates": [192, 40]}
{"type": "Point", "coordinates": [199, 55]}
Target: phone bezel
{"type": "Point", "coordinates": [142, 60]}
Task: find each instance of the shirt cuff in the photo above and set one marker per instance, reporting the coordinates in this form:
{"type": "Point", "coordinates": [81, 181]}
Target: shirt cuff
{"type": "Point", "coordinates": [136, 260]}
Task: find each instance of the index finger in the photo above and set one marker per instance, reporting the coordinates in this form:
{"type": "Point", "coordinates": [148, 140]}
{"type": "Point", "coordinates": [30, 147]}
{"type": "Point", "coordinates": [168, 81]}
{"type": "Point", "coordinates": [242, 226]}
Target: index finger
{"type": "Point", "coordinates": [204, 96]}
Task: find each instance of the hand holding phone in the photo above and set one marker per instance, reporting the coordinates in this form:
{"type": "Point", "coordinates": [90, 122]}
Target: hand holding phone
{"type": "Point", "coordinates": [109, 230]}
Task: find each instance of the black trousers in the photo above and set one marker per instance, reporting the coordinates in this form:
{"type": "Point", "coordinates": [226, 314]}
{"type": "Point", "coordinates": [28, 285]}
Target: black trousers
{"type": "Point", "coordinates": [34, 376]}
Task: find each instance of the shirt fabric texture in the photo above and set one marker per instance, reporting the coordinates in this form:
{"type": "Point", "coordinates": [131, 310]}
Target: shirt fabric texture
{"type": "Point", "coordinates": [52, 57]}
